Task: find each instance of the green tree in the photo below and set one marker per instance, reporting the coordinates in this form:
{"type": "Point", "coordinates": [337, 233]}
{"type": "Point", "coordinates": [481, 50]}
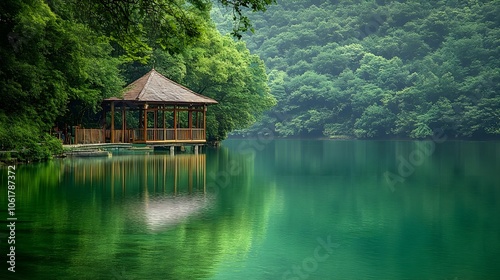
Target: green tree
{"type": "Point", "coordinates": [47, 63]}
{"type": "Point", "coordinates": [376, 121]}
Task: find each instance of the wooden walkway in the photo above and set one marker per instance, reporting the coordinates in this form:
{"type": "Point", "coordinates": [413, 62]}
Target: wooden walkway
{"type": "Point", "coordinates": [98, 146]}
{"type": "Point", "coordinates": [132, 147]}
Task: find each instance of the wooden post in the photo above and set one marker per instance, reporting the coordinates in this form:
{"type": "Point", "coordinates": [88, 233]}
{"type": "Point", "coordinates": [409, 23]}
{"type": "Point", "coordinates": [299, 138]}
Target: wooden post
{"type": "Point", "coordinates": [175, 122]}
{"type": "Point", "coordinates": [156, 124]}
{"type": "Point", "coordinates": [112, 122]}
{"type": "Point", "coordinates": [204, 122]}
{"type": "Point", "coordinates": [145, 122]}
{"type": "Point", "coordinates": [123, 123]}
{"type": "Point", "coordinates": [190, 122]}
{"type": "Point", "coordinates": [164, 125]}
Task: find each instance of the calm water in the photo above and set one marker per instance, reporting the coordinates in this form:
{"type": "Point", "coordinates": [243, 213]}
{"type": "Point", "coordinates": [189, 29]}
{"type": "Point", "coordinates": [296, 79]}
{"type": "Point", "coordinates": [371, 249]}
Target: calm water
{"type": "Point", "coordinates": [284, 209]}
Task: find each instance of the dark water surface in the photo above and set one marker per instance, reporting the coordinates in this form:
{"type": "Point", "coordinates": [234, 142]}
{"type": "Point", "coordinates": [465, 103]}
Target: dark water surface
{"type": "Point", "coordinates": [284, 209]}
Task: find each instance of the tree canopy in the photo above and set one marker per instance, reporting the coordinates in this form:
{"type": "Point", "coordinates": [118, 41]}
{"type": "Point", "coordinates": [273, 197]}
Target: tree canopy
{"type": "Point", "coordinates": [59, 59]}
{"type": "Point", "coordinates": [372, 69]}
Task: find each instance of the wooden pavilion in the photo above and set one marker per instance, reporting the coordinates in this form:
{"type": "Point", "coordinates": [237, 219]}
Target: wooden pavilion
{"type": "Point", "coordinates": [153, 110]}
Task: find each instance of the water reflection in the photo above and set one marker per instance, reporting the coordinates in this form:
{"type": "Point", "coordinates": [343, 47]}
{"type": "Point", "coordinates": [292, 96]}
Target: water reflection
{"type": "Point", "coordinates": [168, 211]}
{"type": "Point", "coordinates": [147, 175]}
{"type": "Point", "coordinates": [233, 214]}
{"type": "Point", "coordinates": [437, 224]}
{"type": "Point", "coordinates": [171, 188]}
{"type": "Point", "coordinates": [140, 217]}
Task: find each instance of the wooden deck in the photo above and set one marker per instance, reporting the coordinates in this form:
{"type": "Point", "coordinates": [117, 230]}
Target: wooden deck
{"type": "Point", "coordinates": [98, 146]}
{"type": "Point", "coordinates": [141, 136]}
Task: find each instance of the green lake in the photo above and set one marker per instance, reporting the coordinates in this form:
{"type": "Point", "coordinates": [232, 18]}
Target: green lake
{"type": "Point", "coordinates": [262, 209]}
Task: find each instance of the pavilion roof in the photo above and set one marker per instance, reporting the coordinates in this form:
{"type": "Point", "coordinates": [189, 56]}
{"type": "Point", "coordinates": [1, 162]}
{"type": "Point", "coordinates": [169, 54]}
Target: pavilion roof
{"type": "Point", "coordinates": [154, 87]}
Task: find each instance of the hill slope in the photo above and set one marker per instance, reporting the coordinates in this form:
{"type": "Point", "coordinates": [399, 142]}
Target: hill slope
{"type": "Point", "coordinates": [380, 68]}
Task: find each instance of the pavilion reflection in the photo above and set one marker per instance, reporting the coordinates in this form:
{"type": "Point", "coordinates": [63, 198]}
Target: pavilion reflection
{"type": "Point", "coordinates": [166, 211]}
{"type": "Point", "coordinates": [144, 175]}
{"type": "Point", "coordinates": [161, 190]}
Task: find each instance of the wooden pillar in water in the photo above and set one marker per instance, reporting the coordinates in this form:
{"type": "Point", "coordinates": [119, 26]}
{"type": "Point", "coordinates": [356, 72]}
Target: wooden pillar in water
{"type": "Point", "coordinates": [112, 122]}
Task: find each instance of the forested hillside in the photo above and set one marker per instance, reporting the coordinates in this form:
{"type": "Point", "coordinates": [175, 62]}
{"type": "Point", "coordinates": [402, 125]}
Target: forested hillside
{"type": "Point", "coordinates": [373, 69]}
{"type": "Point", "coordinates": [60, 58]}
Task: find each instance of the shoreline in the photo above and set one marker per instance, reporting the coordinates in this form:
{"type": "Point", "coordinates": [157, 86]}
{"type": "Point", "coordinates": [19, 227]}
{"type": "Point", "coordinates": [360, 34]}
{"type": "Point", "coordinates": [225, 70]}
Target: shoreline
{"type": "Point", "coordinates": [362, 139]}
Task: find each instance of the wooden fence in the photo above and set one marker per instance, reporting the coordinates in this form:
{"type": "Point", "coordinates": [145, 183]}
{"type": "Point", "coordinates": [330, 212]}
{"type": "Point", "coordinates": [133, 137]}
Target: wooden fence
{"type": "Point", "coordinates": [94, 136]}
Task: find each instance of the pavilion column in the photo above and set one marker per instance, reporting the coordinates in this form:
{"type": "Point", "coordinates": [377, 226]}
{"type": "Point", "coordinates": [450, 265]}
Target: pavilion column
{"type": "Point", "coordinates": [204, 122]}
{"type": "Point", "coordinates": [175, 122]}
{"type": "Point", "coordinates": [190, 122]}
{"type": "Point", "coordinates": [155, 137]}
{"type": "Point", "coordinates": [164, 124]}
{"type": "Point", "coordinates": [112, 122]}
{"type": "Point", "coordinates": [145, 122]}
{"type": "Point", "coordinates": [124, 125]}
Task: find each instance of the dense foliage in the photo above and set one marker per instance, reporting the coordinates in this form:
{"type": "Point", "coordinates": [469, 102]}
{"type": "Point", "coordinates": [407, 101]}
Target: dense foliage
{"type": "Point", "coordinates": [59, 59]}
{"type": "Point", "coordinates": [47, 63]}
{"type": "Point", "coordinates": [383, 68]}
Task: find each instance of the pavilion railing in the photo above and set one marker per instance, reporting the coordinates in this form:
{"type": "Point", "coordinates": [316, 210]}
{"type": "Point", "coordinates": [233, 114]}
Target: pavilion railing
{"type": "Point", "coordinates": [96, 135]}
{"type": "Point", "coordinates": [89, 136]}
{"type": "Point", "coordinates": [121, 136]}
{"type": "Point", "coordinates": [169, 134]}
{"type": "Point", "coordinates": [198, 134]}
